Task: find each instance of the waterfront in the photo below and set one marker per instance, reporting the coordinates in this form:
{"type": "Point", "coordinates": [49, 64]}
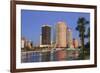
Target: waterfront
{"type": "Point", "coordinates": [57, 54]}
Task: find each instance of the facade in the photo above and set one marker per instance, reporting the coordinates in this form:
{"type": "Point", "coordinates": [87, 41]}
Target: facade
{"type": "Point", "coordinates": [75, 43]}
{"type": "Point", "coordinates": [29, 44]}
{"type": "Point", "coordinates": [61, 32]}
{"type": "Point", "coordinates": [69, 38]}
{"type": "Point", "coordinates": [40, 39]}
{"type": "Point", "coordinates": [46, 36]}
{"type": "Point", "coordinates": [23, 42]}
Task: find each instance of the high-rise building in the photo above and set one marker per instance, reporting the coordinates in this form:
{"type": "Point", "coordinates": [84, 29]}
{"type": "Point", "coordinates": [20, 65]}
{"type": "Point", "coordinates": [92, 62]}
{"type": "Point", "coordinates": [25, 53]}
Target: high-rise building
{"type": "Point", "coordinates": [23, 41]}
{"type": "Point", "coordinates": [61, 33]}
{"type": "Point", "coordinates": [69, 38]}
{"type": "Point", "coordinates": [40, 39]}
{"type": "Point", "coordinates": [46, 35]}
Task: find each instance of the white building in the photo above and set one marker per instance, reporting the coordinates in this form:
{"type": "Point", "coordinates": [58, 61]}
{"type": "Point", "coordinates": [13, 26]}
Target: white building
{"type": "Point", "coordinates": [69, 38]}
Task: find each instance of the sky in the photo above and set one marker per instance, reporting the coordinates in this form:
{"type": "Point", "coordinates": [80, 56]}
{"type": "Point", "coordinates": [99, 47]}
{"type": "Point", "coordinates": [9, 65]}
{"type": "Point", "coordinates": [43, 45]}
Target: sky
{"type": "Point", "coordinates": [32, 21]}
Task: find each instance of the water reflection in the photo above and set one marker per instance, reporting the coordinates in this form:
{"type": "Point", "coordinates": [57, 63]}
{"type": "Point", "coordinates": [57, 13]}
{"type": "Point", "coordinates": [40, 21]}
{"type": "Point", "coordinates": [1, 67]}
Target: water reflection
{"type": "Point", "coordinates": [50, 55]}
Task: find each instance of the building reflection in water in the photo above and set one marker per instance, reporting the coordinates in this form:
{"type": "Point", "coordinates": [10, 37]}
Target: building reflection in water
{"type": "Point", "coordinates": [50, 55]}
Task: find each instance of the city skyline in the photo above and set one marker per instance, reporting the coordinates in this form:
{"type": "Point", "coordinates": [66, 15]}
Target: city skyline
{"type": "Point", "coordinates": [33, 20]}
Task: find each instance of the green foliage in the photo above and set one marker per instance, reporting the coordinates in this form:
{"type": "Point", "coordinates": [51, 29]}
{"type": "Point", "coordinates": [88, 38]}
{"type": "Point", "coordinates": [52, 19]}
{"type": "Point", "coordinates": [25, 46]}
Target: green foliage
{"type": "Point", "coordinates": [81, 27]}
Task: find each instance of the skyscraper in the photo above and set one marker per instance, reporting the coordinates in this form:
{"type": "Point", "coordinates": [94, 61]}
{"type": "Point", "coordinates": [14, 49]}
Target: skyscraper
{"type": "Point", "coordinates": [69, 38]}
{"type": "Point", "coordinates": [46, 35]}
{"type": "Point", "coordinates": [61, 33]}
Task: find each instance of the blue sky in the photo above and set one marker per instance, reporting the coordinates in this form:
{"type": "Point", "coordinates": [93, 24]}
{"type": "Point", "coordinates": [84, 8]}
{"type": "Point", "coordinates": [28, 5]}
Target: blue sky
{"type": "Point", "coordinates": [32, 20]}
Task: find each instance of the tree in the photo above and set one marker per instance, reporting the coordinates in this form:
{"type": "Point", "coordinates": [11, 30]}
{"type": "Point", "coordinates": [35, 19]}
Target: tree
{"type": "Point", "coordinates": [81, 27]}
{"type": "Point", "coordinates": [88, 43]}
{"type": "Point", "coordinates": [88, 34]}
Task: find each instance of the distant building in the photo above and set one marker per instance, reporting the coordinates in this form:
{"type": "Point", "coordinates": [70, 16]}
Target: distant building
{"type": "Point", "coordinates": [69, 38]}
{"type": "Point", "coordinates": [61, 32]}
{"type": "Point", "coordinates": [28, 45]}
{"type": "Point", "coordinates": [45, 36]}
{"type": "Point", "coordinates": [75, 43]}
{"type": "Point", "coordinates": [23, 40]}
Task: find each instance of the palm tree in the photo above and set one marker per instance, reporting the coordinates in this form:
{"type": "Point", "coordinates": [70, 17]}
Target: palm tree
{"type": "Point", "coordinates": [87, 45]}
{"type": "Point", "coordinates": [88, 34]}
{"type": "Point", "coordinates": [81, 27]}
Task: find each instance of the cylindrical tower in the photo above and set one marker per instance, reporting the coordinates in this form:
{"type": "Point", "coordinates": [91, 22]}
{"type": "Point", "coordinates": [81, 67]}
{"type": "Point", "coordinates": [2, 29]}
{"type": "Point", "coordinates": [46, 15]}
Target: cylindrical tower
{"type": "Point", "coordinates": [61, 31]}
